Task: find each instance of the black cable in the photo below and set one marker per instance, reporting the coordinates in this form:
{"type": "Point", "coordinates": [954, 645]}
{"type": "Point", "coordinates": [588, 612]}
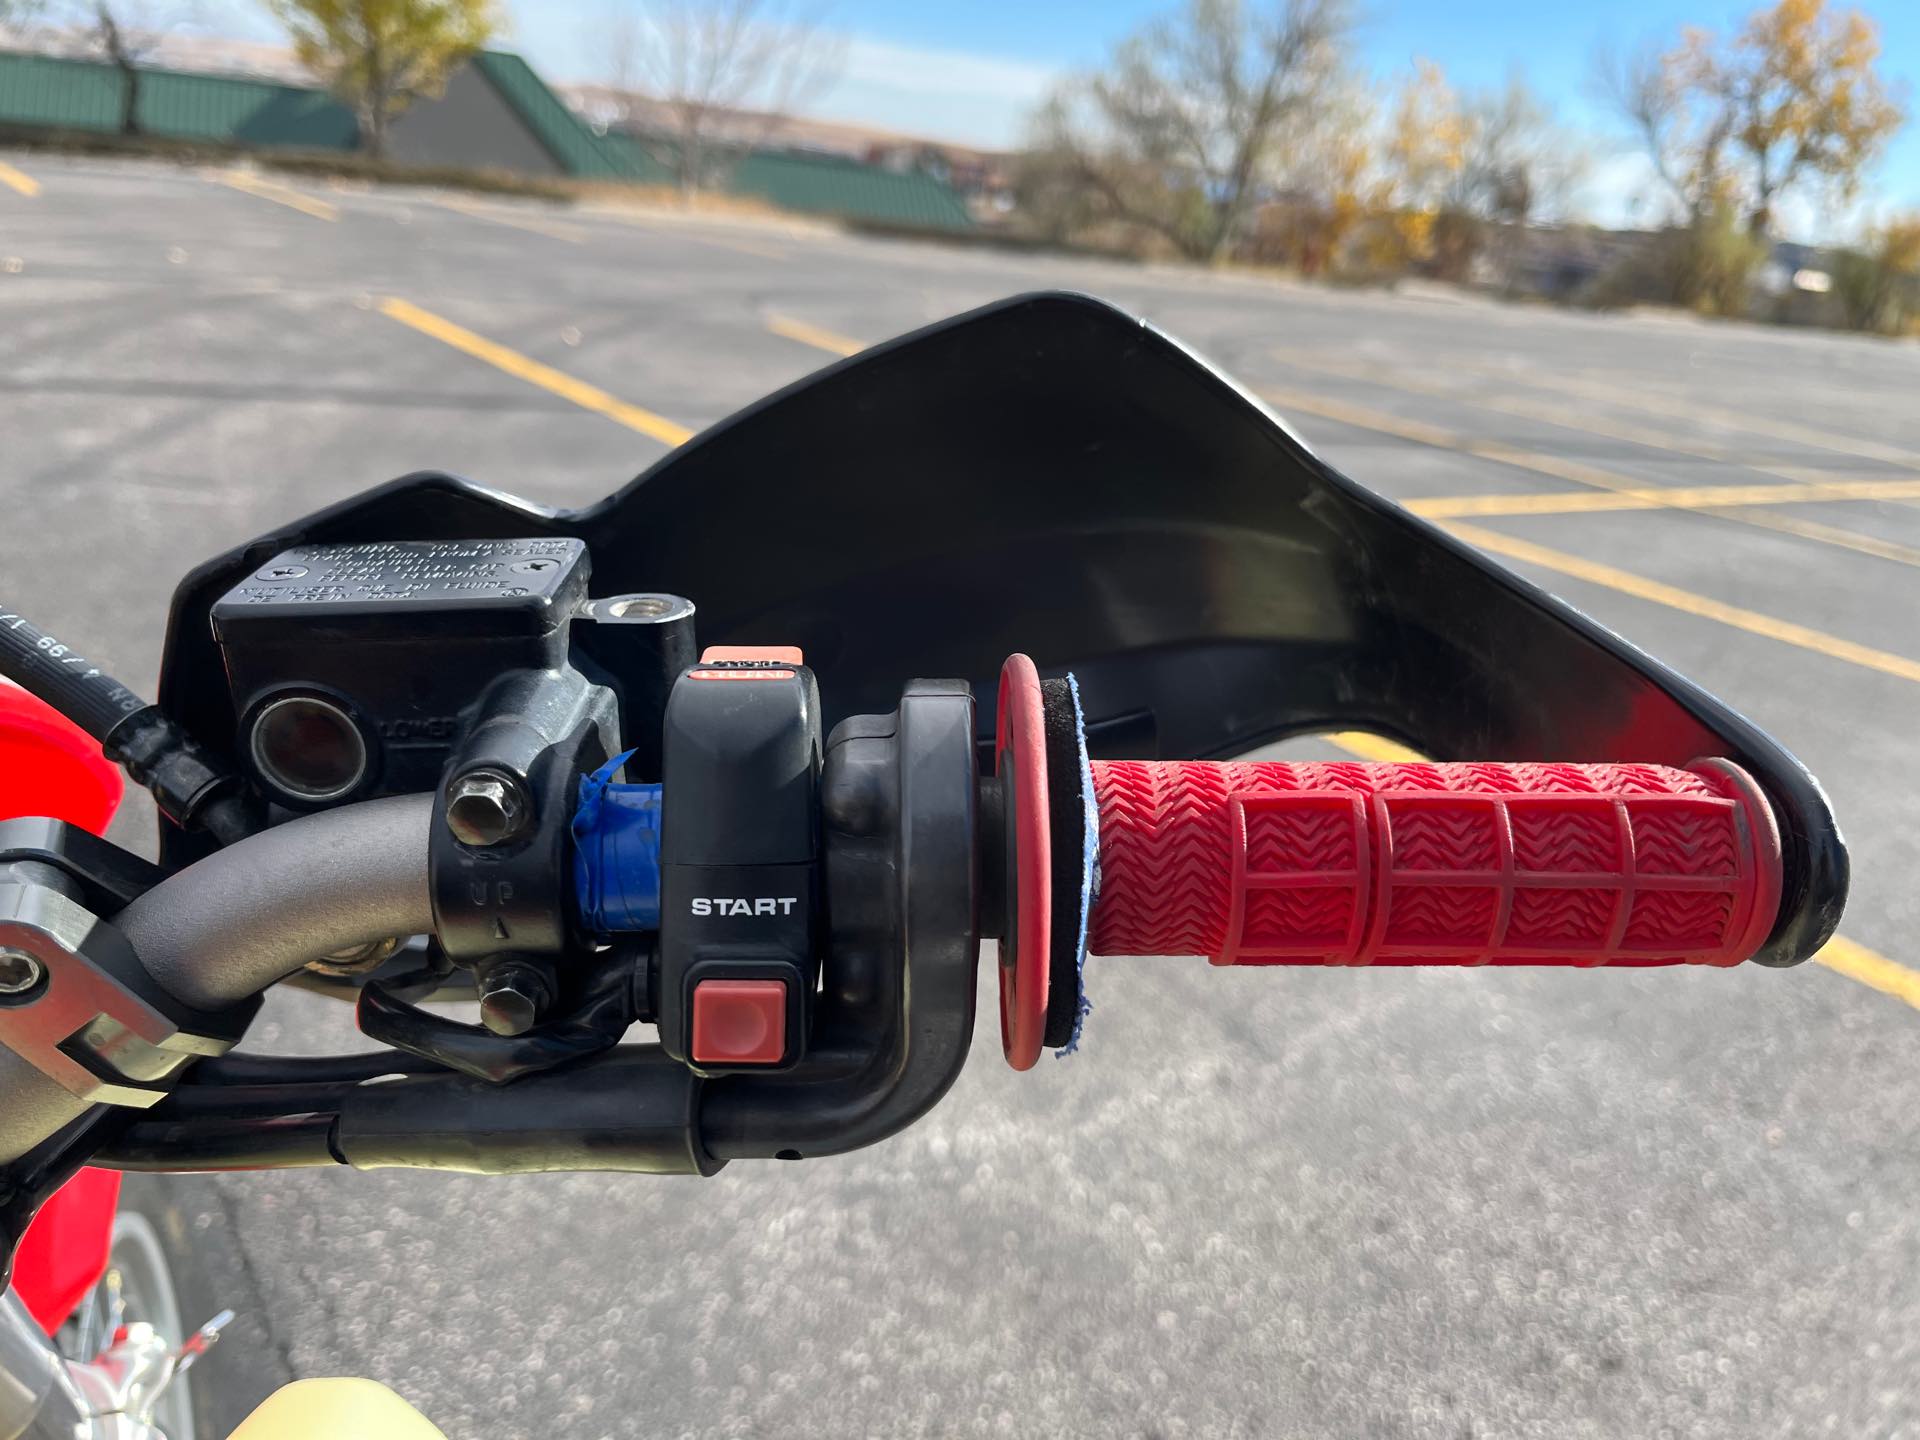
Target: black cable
{"type": "Point", "coordinates": [272, 1144]}
{"type": "Point", "coordinates": [238, 1068]}
{"type": "Point", "coordinates": [250, 1102]}
{"type": "Point", "coordinates": [193, 788]}
{"type": "Point", "coordinates": [63, 677]}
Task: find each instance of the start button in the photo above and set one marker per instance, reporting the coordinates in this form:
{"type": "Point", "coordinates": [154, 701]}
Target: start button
{"type": "Point", "coordinates": [739, 1022]}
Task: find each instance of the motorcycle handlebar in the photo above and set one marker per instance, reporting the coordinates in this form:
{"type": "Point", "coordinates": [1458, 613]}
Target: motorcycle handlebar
{"type": "Point", "coordinates": [1255, 863]}
{"type": "Point", "coordinates": [1430, 864]}
{"type": "Point", "coordinates": [230, 925]}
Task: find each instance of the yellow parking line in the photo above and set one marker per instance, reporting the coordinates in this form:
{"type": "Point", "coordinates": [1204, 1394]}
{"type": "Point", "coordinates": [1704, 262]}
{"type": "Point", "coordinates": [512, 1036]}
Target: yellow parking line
{"type": "Point", "coordinates": [681, 230]}
{"type": "Point", "coordinates": [1653, 402]}
{"type": "Point", "coordinates": [1857, 962]}
{"type": "Point", "coordinates": [1832, 535]}
{"type": "Point", "coordinates": [1841, 955]}
{"type": "Point", "coordinates": [1366, 418]}
{"type": "Point", "coordinates": [743, 247]}
{"type": "Point", "coordinates": [521, 367]}
{"type": "Point", "coordinates": [813, 335]}
{"type": "Point", "coordinates": [279, 194]}
{"type": "Point", "coordinates": [1557, 414]}
{"type": "Point", "coordinates": [1374, 747]}
{"type": "Point", "coordinates": [553, 230]}
{"type": "Point", "coordinates": [1641, 588]}
{"type": "Point", "coordinates": [18, 180]}
{"type": "Point", "coordinates": [1657, 497]}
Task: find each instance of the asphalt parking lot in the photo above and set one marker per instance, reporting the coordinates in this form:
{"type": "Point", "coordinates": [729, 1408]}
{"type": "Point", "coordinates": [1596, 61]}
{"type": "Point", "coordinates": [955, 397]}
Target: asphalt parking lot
{"type": "Point", "coordinates": [1257, 1204]}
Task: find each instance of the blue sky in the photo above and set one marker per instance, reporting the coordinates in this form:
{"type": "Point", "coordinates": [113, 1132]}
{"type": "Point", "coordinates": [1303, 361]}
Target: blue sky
{"type": "Point", "coordinates": [970, 71]}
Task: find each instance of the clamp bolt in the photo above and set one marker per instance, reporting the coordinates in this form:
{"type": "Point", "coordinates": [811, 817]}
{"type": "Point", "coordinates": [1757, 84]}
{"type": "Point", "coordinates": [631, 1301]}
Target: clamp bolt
{"type": "Point", "coordinates": [487, 807]}
{"type": "Point", "coordinates": [511, 999]}
{"type": "Point", "coordinates": [19, 971]}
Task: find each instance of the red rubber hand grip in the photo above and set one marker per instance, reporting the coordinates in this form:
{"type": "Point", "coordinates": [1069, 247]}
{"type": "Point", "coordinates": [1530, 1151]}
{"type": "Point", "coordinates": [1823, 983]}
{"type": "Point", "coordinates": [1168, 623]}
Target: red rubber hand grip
{"type": "Point", "coordinates": [1350, 864]}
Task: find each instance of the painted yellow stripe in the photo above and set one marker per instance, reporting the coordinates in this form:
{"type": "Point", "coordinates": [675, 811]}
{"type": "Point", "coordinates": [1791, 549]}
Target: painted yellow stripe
{"type": "Point", "coordinates": [813, 335]}
{"type": "Point", "coordinates": [1365, 418]}
{"type": "Point", "coordinates": [1857, 962]}
{"type": "Point", "coordinates": [1831, 535]}
{"type": "Point", "coordinates": [743, 247]}
{"type": "Point", "coordinates": [1541, 408]}
{"type": "Point", "coordinates": [1641, 588]}
{"type": "Point", "coordinates": [1566, 418]}
{"type": "Point", "coordinates": [521, 367]}
{"type": "Point", "coordinates": [1376, 748]}
{"type": "Point", "coordinates": [552, 229]}
{"type": "Point", "coordinates": [680, 229]}
{"type": "Point", "coordinates": [18, 180]}
{"type": "Point", "coordinates": [1657, 497]}
{"type": "Point", "coordinates": [1656, 403]}
{"type": "Point", "coordinates": [279, 194]}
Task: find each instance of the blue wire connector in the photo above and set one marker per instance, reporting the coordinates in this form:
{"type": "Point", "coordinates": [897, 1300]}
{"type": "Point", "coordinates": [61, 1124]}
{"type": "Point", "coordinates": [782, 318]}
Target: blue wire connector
{"type": "Point", "coordinates": [616, 853]}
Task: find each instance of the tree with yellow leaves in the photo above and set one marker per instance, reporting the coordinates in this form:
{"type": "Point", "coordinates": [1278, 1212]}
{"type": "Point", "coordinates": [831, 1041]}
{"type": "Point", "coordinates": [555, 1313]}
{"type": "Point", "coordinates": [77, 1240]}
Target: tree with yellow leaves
{"type": "Point", "coordinates": [1792, 100]}
{"type": "Point", "coordinates": [1878, 284]}
{"type": "Point", "coordinates": [1425, 156]}
{"type": "Point", "coordinates": [1458, 171]}
{"type": "Point", "coordinates": [381, 55]}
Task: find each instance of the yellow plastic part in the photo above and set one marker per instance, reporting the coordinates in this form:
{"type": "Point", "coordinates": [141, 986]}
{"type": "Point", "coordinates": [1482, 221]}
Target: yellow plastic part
{"type": "Point", "coordinates": [344, 1409]}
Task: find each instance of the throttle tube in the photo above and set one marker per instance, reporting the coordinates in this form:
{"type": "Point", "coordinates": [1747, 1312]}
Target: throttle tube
{"type": "Point", "coordinates": [1424, 864]}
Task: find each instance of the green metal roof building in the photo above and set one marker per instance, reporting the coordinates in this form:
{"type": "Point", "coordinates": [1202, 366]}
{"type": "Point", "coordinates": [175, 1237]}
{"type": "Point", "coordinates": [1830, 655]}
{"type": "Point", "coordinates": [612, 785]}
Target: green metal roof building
{"type": "Point", "coordinates": [496, 113]}
{"type": "Point", "coordinates": [43, 91]}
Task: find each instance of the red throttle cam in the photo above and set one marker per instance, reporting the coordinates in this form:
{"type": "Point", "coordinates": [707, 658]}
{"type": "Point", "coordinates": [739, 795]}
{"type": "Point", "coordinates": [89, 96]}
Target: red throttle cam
{"type": "Point", "coordinates": [1268, 863]}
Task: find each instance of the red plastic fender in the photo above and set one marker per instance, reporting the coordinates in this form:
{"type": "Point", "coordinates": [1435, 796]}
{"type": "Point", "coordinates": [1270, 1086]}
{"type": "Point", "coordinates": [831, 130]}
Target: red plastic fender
{"type": "Point", "coordinates": [50, 766]}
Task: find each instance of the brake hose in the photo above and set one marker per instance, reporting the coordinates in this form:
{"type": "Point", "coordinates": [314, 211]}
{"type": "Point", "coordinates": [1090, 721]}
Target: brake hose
{"type": "Point", "coordinates": [190, 785]}
{"type": "Point", "coordinates": [63, 677]}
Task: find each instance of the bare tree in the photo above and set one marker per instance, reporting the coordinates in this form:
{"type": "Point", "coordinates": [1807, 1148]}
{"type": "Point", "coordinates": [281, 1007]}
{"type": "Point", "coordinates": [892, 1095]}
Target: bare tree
{"type": "Point", "coordinates": [1521, 166]}
{"type": "Point", "coordinates": [126, 48]}
{"type": "Point", "coordinates": [725, 74]}
{"type": "Point", "coordinates": [1186, 128]}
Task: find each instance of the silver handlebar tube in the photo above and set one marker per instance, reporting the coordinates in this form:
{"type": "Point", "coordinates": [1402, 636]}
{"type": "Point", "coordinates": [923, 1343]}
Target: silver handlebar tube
{"type": "Point", "coordinates": [228, 926]}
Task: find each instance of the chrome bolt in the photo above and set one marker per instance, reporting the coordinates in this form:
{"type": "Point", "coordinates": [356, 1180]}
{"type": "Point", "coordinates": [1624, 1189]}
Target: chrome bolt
{"type": "Point", "coordinates": [511, 999]}
{"type": "Point", "coordinates": [19, 971]}
{"type": "Point", "coordinates": [487, 807]}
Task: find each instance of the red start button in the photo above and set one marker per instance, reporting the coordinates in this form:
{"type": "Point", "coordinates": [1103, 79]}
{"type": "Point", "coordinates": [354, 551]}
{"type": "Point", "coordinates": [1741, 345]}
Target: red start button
{"type": "Point", "coordinates": [739, 1022]}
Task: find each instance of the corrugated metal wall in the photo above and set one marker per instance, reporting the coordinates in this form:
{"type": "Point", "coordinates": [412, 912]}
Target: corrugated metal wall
{"type": "Point", "coordinates": [829, 185]}
{"type": "Point", "coordinates": [812, 185]}
{"type": "Point", "coordinates": [84, 95]}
